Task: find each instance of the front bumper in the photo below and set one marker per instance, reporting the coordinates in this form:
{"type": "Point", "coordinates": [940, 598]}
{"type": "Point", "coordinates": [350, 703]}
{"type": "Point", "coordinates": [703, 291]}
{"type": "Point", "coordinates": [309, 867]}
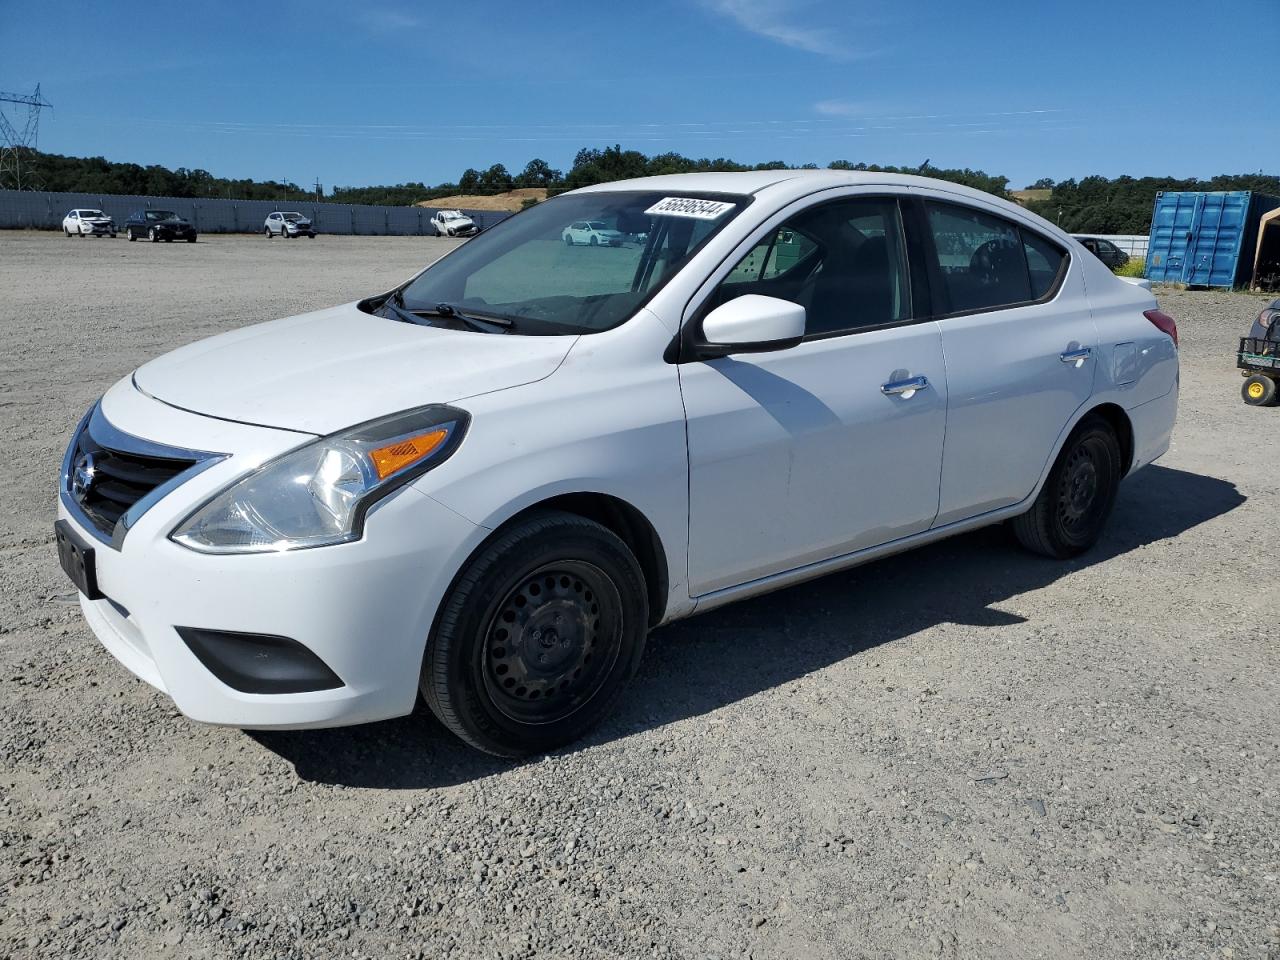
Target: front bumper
{"type": "Point", "coordinates": [364, 608]}
{"type": "Point", "coordinates": [99, 228]}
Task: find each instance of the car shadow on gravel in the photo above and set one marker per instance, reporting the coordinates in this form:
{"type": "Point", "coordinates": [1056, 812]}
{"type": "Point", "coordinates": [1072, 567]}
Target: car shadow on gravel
{"type": "Point", "coordinates": [699, 665]}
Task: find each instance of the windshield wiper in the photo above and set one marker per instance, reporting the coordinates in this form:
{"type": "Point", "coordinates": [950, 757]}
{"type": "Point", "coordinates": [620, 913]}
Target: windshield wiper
{"type": "Point", "coordinates": [447, 311]}
{"type": "Point", "coordinates": [482, 322]}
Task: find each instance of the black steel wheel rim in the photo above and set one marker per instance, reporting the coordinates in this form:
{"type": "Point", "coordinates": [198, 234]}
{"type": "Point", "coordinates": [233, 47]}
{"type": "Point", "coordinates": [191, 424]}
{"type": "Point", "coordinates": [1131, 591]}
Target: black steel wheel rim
{"type": "Point", "coordinates": [1080, 502]}
{"type": "Point", "coordinates": [551, 642]}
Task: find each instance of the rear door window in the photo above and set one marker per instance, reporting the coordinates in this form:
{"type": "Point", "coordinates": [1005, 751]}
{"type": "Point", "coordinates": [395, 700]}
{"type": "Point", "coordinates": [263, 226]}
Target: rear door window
{"type": "Point", "coordinates": [1045, 261]}
{"type": "Point", "coordinates": [987, 262]}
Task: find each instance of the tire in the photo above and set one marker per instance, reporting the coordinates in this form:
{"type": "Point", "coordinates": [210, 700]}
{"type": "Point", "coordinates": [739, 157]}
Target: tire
{"type": "Point", "coordinates": [486, 674]}
{"type": "Point", "coordinates": [152, 235]}
{"type": "Point", "coordinates": [1259, 391]}
{"type": "Point", "coordinates": [67, 232]}
{"type": "Point", "coordinates": [1072, 508]}
{"type": "Point", "coordinates": [568, 240]}
{"type": "Point", "coordinates": [267, 232]}
{"type": "Point", "coordinates": [191, 239]}
{"type": "Point", "coordinates": [594, 241]}
{"type": "Point", "coordinates": [129, 233]}
{"type": "Point", "coordinates": [311, 236]}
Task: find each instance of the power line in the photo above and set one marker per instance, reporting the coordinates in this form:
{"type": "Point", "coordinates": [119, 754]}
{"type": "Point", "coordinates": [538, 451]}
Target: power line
{"type": "Point", "coordinates": [19, 139]}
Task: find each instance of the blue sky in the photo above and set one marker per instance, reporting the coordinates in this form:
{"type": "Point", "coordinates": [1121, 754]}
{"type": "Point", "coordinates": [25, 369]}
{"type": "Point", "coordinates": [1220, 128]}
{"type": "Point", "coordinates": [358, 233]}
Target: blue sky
{"type": "Point", "coordinates": [383, 92]}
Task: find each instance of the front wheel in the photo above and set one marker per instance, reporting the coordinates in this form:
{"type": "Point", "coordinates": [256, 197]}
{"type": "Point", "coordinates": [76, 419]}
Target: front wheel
{"type": "Point", "coordinates": [1073, 506]}
{"type": "Point", "coordinates": [538, 637]}
{"type": "Point", "coordinates": [153, 236]}
{"type": "Point", "coordinates": [594, 242]}
{"type": "Point", "coordinates": [1259, 391]}
{"type": "Point", "coordinates": [129, 233]}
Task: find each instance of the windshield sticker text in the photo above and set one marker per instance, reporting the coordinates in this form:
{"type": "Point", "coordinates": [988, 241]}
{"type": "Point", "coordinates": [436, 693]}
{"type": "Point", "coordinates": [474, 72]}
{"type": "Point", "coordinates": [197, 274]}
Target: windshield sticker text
{"type": "Point", "coordinates": [689, 207]}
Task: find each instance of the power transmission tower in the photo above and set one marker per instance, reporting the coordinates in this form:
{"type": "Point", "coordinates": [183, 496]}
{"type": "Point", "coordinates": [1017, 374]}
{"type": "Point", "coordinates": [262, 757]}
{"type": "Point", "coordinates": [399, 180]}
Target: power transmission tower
{"type": "Point", "coordinates": [19, 139]}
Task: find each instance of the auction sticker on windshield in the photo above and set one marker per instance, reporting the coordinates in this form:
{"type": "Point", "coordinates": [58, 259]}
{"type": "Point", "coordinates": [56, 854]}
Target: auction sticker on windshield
{"type": "Point", "coordinates": [689, 207]}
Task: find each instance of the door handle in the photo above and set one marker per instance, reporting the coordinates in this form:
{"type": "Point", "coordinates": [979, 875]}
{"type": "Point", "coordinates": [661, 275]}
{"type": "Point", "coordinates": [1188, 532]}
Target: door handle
{"type": "Point", "coordinates": [1078, 357]}
{"type": "Point", "coordinates": [904, 388]}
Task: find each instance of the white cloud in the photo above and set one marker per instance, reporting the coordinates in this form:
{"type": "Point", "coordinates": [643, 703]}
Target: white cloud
{"type": "Point", "coordinates": [775, 20]}
{"type": "Point", "coordinates": [384, 20]}
{"type": "Point", "coordinates": [843, 108]}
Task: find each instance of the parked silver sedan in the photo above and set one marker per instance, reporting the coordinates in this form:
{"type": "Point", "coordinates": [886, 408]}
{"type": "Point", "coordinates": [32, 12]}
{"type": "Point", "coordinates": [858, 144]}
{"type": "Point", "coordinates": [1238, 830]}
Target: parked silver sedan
{"type": "Point", "coordinates": [286, 225]}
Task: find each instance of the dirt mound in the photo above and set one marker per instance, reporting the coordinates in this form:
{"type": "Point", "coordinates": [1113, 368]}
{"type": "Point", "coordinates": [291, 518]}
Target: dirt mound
{"type": "Point", "coordinates": [511, 200]}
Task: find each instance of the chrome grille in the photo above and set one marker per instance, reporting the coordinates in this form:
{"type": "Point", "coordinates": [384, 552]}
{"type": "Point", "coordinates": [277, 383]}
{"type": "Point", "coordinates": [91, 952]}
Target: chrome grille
{"type": "Point", "coordinates": [110, 476]}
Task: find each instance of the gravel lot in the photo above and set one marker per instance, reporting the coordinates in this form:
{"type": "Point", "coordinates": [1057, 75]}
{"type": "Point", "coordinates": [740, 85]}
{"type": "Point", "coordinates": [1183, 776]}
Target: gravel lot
{"type": "Point", "coordinates": [965, 751]}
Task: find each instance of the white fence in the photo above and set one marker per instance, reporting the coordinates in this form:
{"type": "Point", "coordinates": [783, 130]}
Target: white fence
{"type": "Point", "coordinates": [44, 211]}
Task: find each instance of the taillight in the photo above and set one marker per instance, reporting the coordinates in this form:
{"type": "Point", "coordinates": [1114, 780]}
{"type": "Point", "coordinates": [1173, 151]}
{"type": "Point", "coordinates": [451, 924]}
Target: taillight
{"type": "Point", "coordinates": [1164, 322]}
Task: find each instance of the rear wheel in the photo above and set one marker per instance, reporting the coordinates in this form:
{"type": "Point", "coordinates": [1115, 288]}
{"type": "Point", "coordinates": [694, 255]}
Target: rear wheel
{"type": "Point", "coordinates": [538, 637]}
{"type": "Point", "coordinates": [1073, 506]}
{"type": "Point", "coordinates": [1259, 391]}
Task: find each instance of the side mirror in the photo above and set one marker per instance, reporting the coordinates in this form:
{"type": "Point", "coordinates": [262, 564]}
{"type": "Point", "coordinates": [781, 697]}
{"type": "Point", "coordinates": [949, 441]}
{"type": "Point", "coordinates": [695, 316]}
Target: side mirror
{"type": "Point", "coordinates": [750, 324]}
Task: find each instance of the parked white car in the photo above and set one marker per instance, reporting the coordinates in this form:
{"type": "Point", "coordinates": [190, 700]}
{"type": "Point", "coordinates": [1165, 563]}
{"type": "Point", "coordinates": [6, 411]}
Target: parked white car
{"type": "Point", "coordinates": [88, 223]}
{"type": "Point", "coordinates": [489, 483]}
{"type": "Point", "coordinates": [285, 224]}
{"type": "Point", "coordinates": [453, 223]}
{"type": "Point", "coordinates": [592, 233]}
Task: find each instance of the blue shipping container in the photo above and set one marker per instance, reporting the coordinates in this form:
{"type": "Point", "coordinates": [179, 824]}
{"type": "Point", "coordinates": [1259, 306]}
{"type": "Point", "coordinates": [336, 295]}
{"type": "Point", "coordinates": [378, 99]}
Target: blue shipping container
{"type": "Point", "coordinates": [1205, 239]}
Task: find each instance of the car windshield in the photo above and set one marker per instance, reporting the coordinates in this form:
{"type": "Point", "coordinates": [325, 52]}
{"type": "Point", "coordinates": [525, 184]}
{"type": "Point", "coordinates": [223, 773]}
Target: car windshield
{"type": "Point", "coordinates": [294, 216]}
{"type": "Point", "coordinates": [450, 215]}
{"type": "Point", "coordinates": [161, 215]}
{"type": "Point", "coordinates": [92, 214]}
{"type": "Point", "coordinates": [527, 269]}
{"type": "Point", "coordinates": [597, 225]}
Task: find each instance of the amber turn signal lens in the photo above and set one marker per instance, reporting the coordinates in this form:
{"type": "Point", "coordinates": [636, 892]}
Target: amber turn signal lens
{"type": "Point", "coordinates": [403, 453]}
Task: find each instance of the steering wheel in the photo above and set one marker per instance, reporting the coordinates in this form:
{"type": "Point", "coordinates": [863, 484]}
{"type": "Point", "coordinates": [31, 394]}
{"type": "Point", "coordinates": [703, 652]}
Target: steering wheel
{"type": "Point", "coordinates": [995, 260]}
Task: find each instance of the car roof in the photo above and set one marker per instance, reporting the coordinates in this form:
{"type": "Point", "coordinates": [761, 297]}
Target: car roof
{"type": "Point", "coordinates": [796, 181]}
{"type": "Point", "coordinates": [784, 186]}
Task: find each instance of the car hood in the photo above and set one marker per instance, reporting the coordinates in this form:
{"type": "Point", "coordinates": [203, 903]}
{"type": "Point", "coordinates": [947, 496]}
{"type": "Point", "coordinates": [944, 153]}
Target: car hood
{"type": "Point", "coordinates": [323, 371]}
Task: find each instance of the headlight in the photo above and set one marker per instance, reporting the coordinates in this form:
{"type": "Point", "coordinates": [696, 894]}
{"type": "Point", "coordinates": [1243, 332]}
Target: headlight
{"type": "Point", "coordinates": [319, 494]}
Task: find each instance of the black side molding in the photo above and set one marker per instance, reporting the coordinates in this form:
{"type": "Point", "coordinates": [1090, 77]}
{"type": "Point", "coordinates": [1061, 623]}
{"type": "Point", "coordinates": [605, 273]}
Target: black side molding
{"type": "Point", "coordinates": [259, 662]}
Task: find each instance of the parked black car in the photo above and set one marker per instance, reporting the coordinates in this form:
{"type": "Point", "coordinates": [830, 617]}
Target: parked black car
{"type": "Point", "coordinates": [1106, 251]}
{"type": "Point", "coordinates": [157, 225]}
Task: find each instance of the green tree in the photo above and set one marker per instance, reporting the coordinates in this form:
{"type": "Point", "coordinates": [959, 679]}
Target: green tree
{"type": "Point", "coordinates": [538, 173]}
{"type": "Point", "coordinates": [496, 180]}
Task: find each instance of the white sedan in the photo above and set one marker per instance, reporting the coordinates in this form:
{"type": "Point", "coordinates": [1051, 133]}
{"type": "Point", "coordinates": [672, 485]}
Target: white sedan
{"type": "Point", "coordinates": [592, 233]}
{"type": "Point", "coordinates": [88, 223]}
{"type": "Point", "coordinates": [487, 485]}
